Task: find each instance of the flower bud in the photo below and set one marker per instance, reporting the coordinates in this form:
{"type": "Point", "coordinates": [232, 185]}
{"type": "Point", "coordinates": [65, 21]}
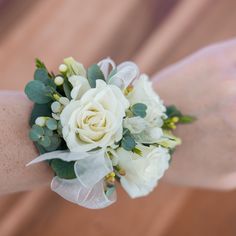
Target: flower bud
{"type": "Point", "coordinates": [122, 172]}
{"type": "Point", "coordinates": [64, 101]}
{"type": "Point", "coordinates": [55, 116]}
{"type": "Point", "coordinates": [175, 119]}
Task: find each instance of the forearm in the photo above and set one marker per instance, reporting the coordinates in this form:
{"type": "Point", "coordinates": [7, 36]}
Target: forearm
{"type": "Point", "coordinates": [169, 89]}
{"type": "Point", "coordinates": [16, 148]}
{"type": "Point", "coordinates": [203, 85]}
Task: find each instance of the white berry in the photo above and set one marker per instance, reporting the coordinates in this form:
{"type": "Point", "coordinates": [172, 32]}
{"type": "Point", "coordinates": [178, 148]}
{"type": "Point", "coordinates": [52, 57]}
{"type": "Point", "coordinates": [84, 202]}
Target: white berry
{"type": "Point", "coordinates": [59, 80]}
{"type": "Point", "coordinates": [63, 68]}
{"type": "Point", "coordinates": [56, 107]}
{"type": "Point", "coordinates": [40, 121]}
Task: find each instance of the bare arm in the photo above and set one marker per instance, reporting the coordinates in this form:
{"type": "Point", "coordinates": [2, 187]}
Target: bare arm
{"type": "Point", "coordinates": [16, 148]}
{"type": "Point", "coordinates": [203, 85]}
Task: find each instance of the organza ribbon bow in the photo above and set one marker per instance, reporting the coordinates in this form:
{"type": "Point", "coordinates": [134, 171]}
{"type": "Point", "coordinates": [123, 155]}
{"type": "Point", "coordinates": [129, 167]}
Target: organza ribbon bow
{"type": "Point", "coordinates": [87, 189]}
{"type": "Point", "coordinates": [125, 72]}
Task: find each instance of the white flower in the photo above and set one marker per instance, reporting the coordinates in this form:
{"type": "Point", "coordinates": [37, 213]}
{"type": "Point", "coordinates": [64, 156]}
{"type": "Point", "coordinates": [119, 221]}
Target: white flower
{"type": "Point", "coordinates": [143, 93]}
{"type": "Point", "coordinates": [149, 135]}
{"type": "Point", "coordinates": [142, 131]}
{"type": "Point", "coordinates": [142, 172]}
{"type": "Point", "coordinates": [135, 124]}
{"type": "Point", "coordinates": [96, 119]}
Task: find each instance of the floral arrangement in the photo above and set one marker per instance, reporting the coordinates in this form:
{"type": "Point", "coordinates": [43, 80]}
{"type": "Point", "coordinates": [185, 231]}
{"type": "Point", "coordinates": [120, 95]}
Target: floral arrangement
{"type": "Point", "coordinates": [98, 126]}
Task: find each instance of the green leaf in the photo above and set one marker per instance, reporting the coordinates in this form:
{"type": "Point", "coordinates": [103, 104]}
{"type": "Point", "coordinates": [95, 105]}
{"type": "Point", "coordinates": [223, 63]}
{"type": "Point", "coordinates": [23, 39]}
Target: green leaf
{"type": "Point", "coordinates": [39, 64]}
{"type": "Point", "coordinates": [63, 169]}
{"type": "Point", "coordinates": [39, 130]}
{"type": "Point", "coordinates": [137, 151]}
{"type": "Point", "coordinates": [139, 109]}
{"type": "Point", "coordinates": [47, 132]}
{"type": "Point", "coordinates": [67, 87]}
{"type": "Point", "coordinates": [55, 143]}
{"type": "Point", "coordinates": [172, 111]}
{"type": "Point", "coordinates": [36, 133]}
{"type": "Point", "coordinates": [128, 142]}
{"type": "Point", "coordinates": [51, 124]}
{"type": "Point", "coordinates": [94, 73]}
{"type": "Point", "coordinates": [40, 110]}
{"type": "Point", "coordinates": [186, 119]}
{"type": "Point", "coordinates": [45, 141]}
{"type": "Point", "coordinates": [43, 76]}
{"type": "Point", "coordinates": [38, 92]}
{"type": "Point", "coordinates": [40, 149]}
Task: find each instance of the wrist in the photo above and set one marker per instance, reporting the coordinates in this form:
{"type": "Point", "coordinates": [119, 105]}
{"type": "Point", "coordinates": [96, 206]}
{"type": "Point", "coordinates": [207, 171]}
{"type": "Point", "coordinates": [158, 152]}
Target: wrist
{"type": "Point", "coordinates": [16, 149]}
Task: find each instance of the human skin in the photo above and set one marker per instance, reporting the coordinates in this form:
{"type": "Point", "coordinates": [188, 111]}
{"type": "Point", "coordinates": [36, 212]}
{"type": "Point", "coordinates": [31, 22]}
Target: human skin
{"type": "Point", "coordinates": [203, 85]}
{"type": "Point", "coordinates": [16, 148]}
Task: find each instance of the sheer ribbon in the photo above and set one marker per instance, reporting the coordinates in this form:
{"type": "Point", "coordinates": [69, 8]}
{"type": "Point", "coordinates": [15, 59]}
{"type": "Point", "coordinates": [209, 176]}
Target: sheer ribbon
{"type": "Point", "coordinates": [87, 189]}
{"type": "Point", "coordinates": [125, 74]}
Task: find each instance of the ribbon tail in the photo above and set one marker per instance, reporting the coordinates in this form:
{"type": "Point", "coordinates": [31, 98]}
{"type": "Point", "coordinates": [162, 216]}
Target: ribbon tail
{"type": "Point", "coordinates": [65, 155]}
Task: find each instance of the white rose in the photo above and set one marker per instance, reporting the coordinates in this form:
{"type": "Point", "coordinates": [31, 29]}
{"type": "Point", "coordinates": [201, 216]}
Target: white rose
{"type": "Point", "coordinates": [143, 93]}
{"type": "Point", "coordinates": [96, 119]}
{"type": "Point", "coordinates": [142, 172]}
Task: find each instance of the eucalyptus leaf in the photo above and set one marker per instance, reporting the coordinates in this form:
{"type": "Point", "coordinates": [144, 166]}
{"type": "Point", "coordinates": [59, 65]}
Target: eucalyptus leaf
{"type": "Point", "coordinates": [55, 143]}
{"type": "Point", "coordinates": [128, 142]}
{"type": "Point", "coordinates": [51, 124]}
{"type": "Point", "coordinates": [47, 132]}
{"type": "Point", "coordinates": [63, 169]}
{"type": "Point", "coordinates": [37, 129]}
{"type": "Point", "coordinates": [43, 76]}
{"type": "Point", "coordinates": [34, 135]}
{"type": "Point", "coordinates": [45, 141]}
{"type": "Point", "coordinates": [38, 92]}
{"type": "Point", "coordinates": [40, 149]}
{"type": "Point", "coordinates": [94, 73]}
{"type": "Point", "coordinates": [139, 109]}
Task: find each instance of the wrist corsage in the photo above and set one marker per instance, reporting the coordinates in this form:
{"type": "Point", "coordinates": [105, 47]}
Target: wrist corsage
{"type": "Point", "coordinates": [100, 125]}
